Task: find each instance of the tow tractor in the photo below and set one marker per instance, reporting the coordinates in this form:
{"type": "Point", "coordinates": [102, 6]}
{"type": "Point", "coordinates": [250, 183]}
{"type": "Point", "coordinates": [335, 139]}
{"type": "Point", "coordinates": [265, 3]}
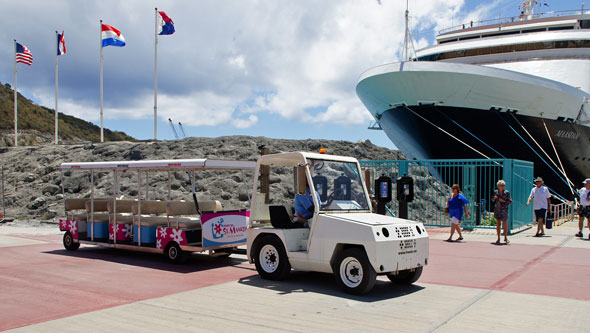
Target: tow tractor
{"type": "Point", "coordinates": [343, 237]}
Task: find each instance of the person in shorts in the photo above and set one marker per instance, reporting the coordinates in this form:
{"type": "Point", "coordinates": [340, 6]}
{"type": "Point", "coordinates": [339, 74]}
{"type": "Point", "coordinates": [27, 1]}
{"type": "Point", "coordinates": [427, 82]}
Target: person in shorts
{"type": "Point", "coordinates": [584, 210]}
{"type": "Point", "coordinates": [502, 199]}
{"type": "Point", "coordinates": [457, 203]}
{"type": "Point", "coordinates": [541, 202]}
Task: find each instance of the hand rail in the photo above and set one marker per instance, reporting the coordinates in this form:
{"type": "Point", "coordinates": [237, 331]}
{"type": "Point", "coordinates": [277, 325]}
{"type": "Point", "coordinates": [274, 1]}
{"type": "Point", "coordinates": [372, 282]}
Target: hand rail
{"type": "Point", "coordinates": [563, 212]}
{"type": "Point", "coordinates": [510, 19]}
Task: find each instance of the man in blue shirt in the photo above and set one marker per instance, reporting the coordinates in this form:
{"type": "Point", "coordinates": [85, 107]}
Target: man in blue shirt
{"type": "Point", "coordinates": [304, 206]}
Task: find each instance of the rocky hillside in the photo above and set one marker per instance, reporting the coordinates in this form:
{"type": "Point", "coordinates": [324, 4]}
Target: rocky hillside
{"type": "Point", "coordinates": [36, 124]}
{"type": "Point", "coordinates": [32, 181]}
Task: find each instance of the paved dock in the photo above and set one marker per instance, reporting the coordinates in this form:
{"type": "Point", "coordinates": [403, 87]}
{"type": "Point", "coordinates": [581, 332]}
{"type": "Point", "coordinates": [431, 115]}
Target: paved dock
{"type": "Point", "coordinates": [532, 285]}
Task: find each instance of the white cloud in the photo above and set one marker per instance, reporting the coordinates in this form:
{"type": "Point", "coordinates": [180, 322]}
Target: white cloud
{"type": "Point", "coordinates": [230, 63]}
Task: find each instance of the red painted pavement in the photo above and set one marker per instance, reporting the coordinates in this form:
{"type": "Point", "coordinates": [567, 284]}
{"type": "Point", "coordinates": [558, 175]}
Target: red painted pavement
{"type": "Point", "coordinates": [540, 270]}
{"type": "Point", "coordinates": [43, 282]}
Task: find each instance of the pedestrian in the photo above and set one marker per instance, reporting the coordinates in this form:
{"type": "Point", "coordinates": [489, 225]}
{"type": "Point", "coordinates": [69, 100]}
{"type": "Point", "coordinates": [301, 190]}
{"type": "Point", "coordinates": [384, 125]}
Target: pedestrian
{"type": "Point", "coordinates": [584, 210]}
{"type": "Point", "coordinates": [502, 199]}
{"type": "Point", "coordinates": [541, 202]}
{"type": "Point", "coordinates": [457, 203]}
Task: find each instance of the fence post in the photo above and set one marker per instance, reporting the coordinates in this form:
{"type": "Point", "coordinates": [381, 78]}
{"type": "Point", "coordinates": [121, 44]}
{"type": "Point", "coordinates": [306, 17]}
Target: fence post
{"type": "Point", "coordinates": [403, 168]}
{"type": "Point", "coordinates": [2, 194]}
{"type": "Point", "coordinates": [507, 170]}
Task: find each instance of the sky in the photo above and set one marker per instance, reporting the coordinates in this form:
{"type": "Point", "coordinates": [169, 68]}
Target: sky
{"type": "Point", "coordinates": [274, 68]}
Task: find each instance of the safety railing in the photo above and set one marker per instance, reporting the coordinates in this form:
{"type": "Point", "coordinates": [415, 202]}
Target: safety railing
{"type": "Point", "coordinates": [477, 178]}
{"type": "Point", "coordinates": [563, 212]}
{"type": "Point", "coordinates": [510, 19]}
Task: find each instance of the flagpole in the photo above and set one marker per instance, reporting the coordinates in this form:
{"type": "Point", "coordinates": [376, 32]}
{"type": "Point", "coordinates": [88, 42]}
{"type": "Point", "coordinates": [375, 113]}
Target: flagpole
{"type": "Point", "coordinates": [15, 101]}
{"type": "Point", "coordinates": [101, 122]}
{"type": "Point", "coordinates": [156, 76]}
{"type": "Point", "coordinates": [56, 78]}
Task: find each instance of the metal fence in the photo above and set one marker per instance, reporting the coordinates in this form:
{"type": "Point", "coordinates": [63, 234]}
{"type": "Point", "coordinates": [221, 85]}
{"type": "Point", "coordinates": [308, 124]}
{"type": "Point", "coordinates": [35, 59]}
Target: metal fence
{"type": "Point", "coordinates": [477, 178]}
{"type": "Point", "coordinates": [563, 212]}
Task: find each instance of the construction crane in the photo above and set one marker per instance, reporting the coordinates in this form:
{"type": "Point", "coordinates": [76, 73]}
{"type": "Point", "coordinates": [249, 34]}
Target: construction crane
{"type": "Point", "coordinates": [181, 130]}
{"type": "Point", "coordinates": [173, 128]}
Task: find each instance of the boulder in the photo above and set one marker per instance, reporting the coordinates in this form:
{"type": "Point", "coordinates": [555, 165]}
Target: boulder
{"type": "Point", "coordinates": [37, 203]}
{"type": "Point", "coordinates": [50, 189]}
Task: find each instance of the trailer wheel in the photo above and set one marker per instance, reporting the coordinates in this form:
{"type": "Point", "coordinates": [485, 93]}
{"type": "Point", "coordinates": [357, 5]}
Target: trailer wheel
{"type": "Point", "coordinates": [353, 272]}
{"type": "Point", "coordinates": [271, 258]}
{"type": "Point", "coordinates": [69, 242]}
{"type": "Point", "coordinates": [408, 276]}
{"type": "Point", "coordinates": [174, 253]}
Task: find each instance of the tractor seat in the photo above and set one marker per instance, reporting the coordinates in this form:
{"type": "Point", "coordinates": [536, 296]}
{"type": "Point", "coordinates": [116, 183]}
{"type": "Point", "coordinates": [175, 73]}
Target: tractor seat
{"type": "Point", "coordinates": [280, 219]}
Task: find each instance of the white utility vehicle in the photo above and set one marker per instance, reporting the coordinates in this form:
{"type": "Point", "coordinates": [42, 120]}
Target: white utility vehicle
{"type": "Point", "coordinates": [343, 237]}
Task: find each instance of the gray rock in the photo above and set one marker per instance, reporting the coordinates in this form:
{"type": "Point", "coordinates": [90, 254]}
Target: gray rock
{"type": "Point", "coordinates": [49, 215]}
{"type": "Point", "coordinates": [28, 167]}
{"type": "Point", "coordinates": [39, 202]}
{"type": "Point", "coordinates": [50, 189]}
{"type": "Point", "coordinates": [29, 178]}
{"type": "Point", "coordinates": [243, 196]}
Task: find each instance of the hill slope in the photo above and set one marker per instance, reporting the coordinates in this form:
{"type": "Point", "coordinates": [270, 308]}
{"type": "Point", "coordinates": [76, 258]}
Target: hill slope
{"type": "Point", "coordinates": [36, 123]}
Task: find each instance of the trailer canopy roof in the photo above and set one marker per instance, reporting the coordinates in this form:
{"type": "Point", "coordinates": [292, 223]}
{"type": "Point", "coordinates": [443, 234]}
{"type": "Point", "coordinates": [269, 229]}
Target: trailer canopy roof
{"type": "Point", "coordinates": [163, 165]}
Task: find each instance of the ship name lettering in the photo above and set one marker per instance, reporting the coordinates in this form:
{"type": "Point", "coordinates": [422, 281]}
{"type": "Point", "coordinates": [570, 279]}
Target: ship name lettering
{"type": "Point", "coordinates": [567, 134]}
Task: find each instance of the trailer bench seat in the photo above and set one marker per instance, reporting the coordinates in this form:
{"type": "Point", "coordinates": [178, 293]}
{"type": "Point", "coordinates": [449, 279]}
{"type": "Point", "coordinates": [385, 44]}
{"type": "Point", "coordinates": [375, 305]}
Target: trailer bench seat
{"type": "Point", "coordinates": [73, 208]}
{"type": "Point", "coordinates": [123, 213]}
{"type": "Point", "coordinates": [100, 209]}
{"type": "Point", "coordinates": [148, 207]}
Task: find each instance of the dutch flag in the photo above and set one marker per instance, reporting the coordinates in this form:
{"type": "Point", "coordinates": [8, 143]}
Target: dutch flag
{"type": "Point", "coordinates": [112, 36]}
{"type": "Point", "coordinates": [61, 44]}
{"type": "Point", "coordinates": [166, 24]}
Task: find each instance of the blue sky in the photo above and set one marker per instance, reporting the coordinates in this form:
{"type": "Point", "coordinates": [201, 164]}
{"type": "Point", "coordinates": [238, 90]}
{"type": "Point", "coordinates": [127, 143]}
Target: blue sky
{"type": "Point", "coordinates": [282, 69]}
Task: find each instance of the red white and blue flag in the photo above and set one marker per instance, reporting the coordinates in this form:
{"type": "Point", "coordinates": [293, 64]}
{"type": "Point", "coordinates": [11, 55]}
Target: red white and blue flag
{"type": "Point", "coordinates": [166, 24]}
{"type": "Point", "coordinates": [61, 44]}
{"type": "Point", "coordinates": [112, 36]}
{"type": "Point", "coordinates": [23, 55]}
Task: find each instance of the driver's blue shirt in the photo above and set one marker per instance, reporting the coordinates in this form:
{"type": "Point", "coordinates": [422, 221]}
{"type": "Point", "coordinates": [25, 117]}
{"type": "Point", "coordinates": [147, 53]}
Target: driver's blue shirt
{"type": "Point", "coordinates": [303, 202]}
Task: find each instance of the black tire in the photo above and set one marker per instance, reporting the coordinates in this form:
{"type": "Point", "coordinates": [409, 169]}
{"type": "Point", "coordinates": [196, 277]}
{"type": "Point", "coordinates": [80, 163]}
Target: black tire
{"type": "Point", "coordinates": [408, 276]}
{"type": "Point", "coordinates": [271, 258]}
{"type": "Point", "coordinates": [69, 242]}
{"type": "Point", "coordinates": [353, 271]}
{"type": "Point", "coordinates": [174, 253]}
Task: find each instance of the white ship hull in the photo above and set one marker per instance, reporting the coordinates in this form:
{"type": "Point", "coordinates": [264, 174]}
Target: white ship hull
{"type": "Point", "coordinates": [467, 86]}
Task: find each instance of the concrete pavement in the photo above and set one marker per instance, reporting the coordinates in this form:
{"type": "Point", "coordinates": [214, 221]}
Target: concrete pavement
{"type": "Point", "coordinates": [533, 284]}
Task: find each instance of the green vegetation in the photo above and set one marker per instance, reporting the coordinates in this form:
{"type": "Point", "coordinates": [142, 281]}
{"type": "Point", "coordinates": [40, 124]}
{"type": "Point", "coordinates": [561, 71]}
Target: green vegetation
{"type": "Point", "coordinates": [489, 220]}
{"type": "Point", "coordinates": [41, 119]}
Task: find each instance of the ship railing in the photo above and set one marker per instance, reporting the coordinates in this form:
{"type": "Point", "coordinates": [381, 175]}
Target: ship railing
{"type": "Point", "coordinates": [563, 212]}
{"type": "Point", "coordinates": [510, 19]}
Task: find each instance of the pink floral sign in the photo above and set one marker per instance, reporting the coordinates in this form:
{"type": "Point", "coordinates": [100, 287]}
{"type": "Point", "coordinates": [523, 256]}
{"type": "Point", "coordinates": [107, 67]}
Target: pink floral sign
{"type": "Point", "coordinates": [71, 226]}
{"type": "Point", "coordinates": [167, 235]}
{"type": "Point", "coordinates": [124, 232]}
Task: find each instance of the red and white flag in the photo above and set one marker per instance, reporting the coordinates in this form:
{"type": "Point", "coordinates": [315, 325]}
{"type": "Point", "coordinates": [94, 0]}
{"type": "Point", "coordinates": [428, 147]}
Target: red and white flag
{"type": "Point", "coordinates": [23, 55]}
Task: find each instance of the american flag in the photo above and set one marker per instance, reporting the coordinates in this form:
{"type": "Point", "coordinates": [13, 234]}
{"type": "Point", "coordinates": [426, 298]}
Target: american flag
{"type": "Point", "coordinates": [23, 55]}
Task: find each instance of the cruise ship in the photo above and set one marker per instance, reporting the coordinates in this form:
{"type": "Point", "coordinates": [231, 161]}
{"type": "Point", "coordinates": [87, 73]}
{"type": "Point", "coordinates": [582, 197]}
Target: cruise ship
{"type": "Point", "coordinates": [515, 87]}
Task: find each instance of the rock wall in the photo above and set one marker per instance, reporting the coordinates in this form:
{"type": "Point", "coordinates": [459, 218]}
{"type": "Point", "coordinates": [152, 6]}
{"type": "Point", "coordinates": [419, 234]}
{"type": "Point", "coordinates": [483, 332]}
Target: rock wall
{"type": "Point", "coordinates": [32, 178]}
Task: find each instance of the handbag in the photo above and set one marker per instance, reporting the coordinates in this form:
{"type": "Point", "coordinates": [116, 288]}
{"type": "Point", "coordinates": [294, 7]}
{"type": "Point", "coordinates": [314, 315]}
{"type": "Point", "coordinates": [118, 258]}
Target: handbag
{"type": "Point", "coordinates": [549, 220]}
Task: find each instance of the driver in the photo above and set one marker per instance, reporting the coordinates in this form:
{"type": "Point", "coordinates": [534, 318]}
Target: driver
{"type": "Point", "coordinates": [304, 206]}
